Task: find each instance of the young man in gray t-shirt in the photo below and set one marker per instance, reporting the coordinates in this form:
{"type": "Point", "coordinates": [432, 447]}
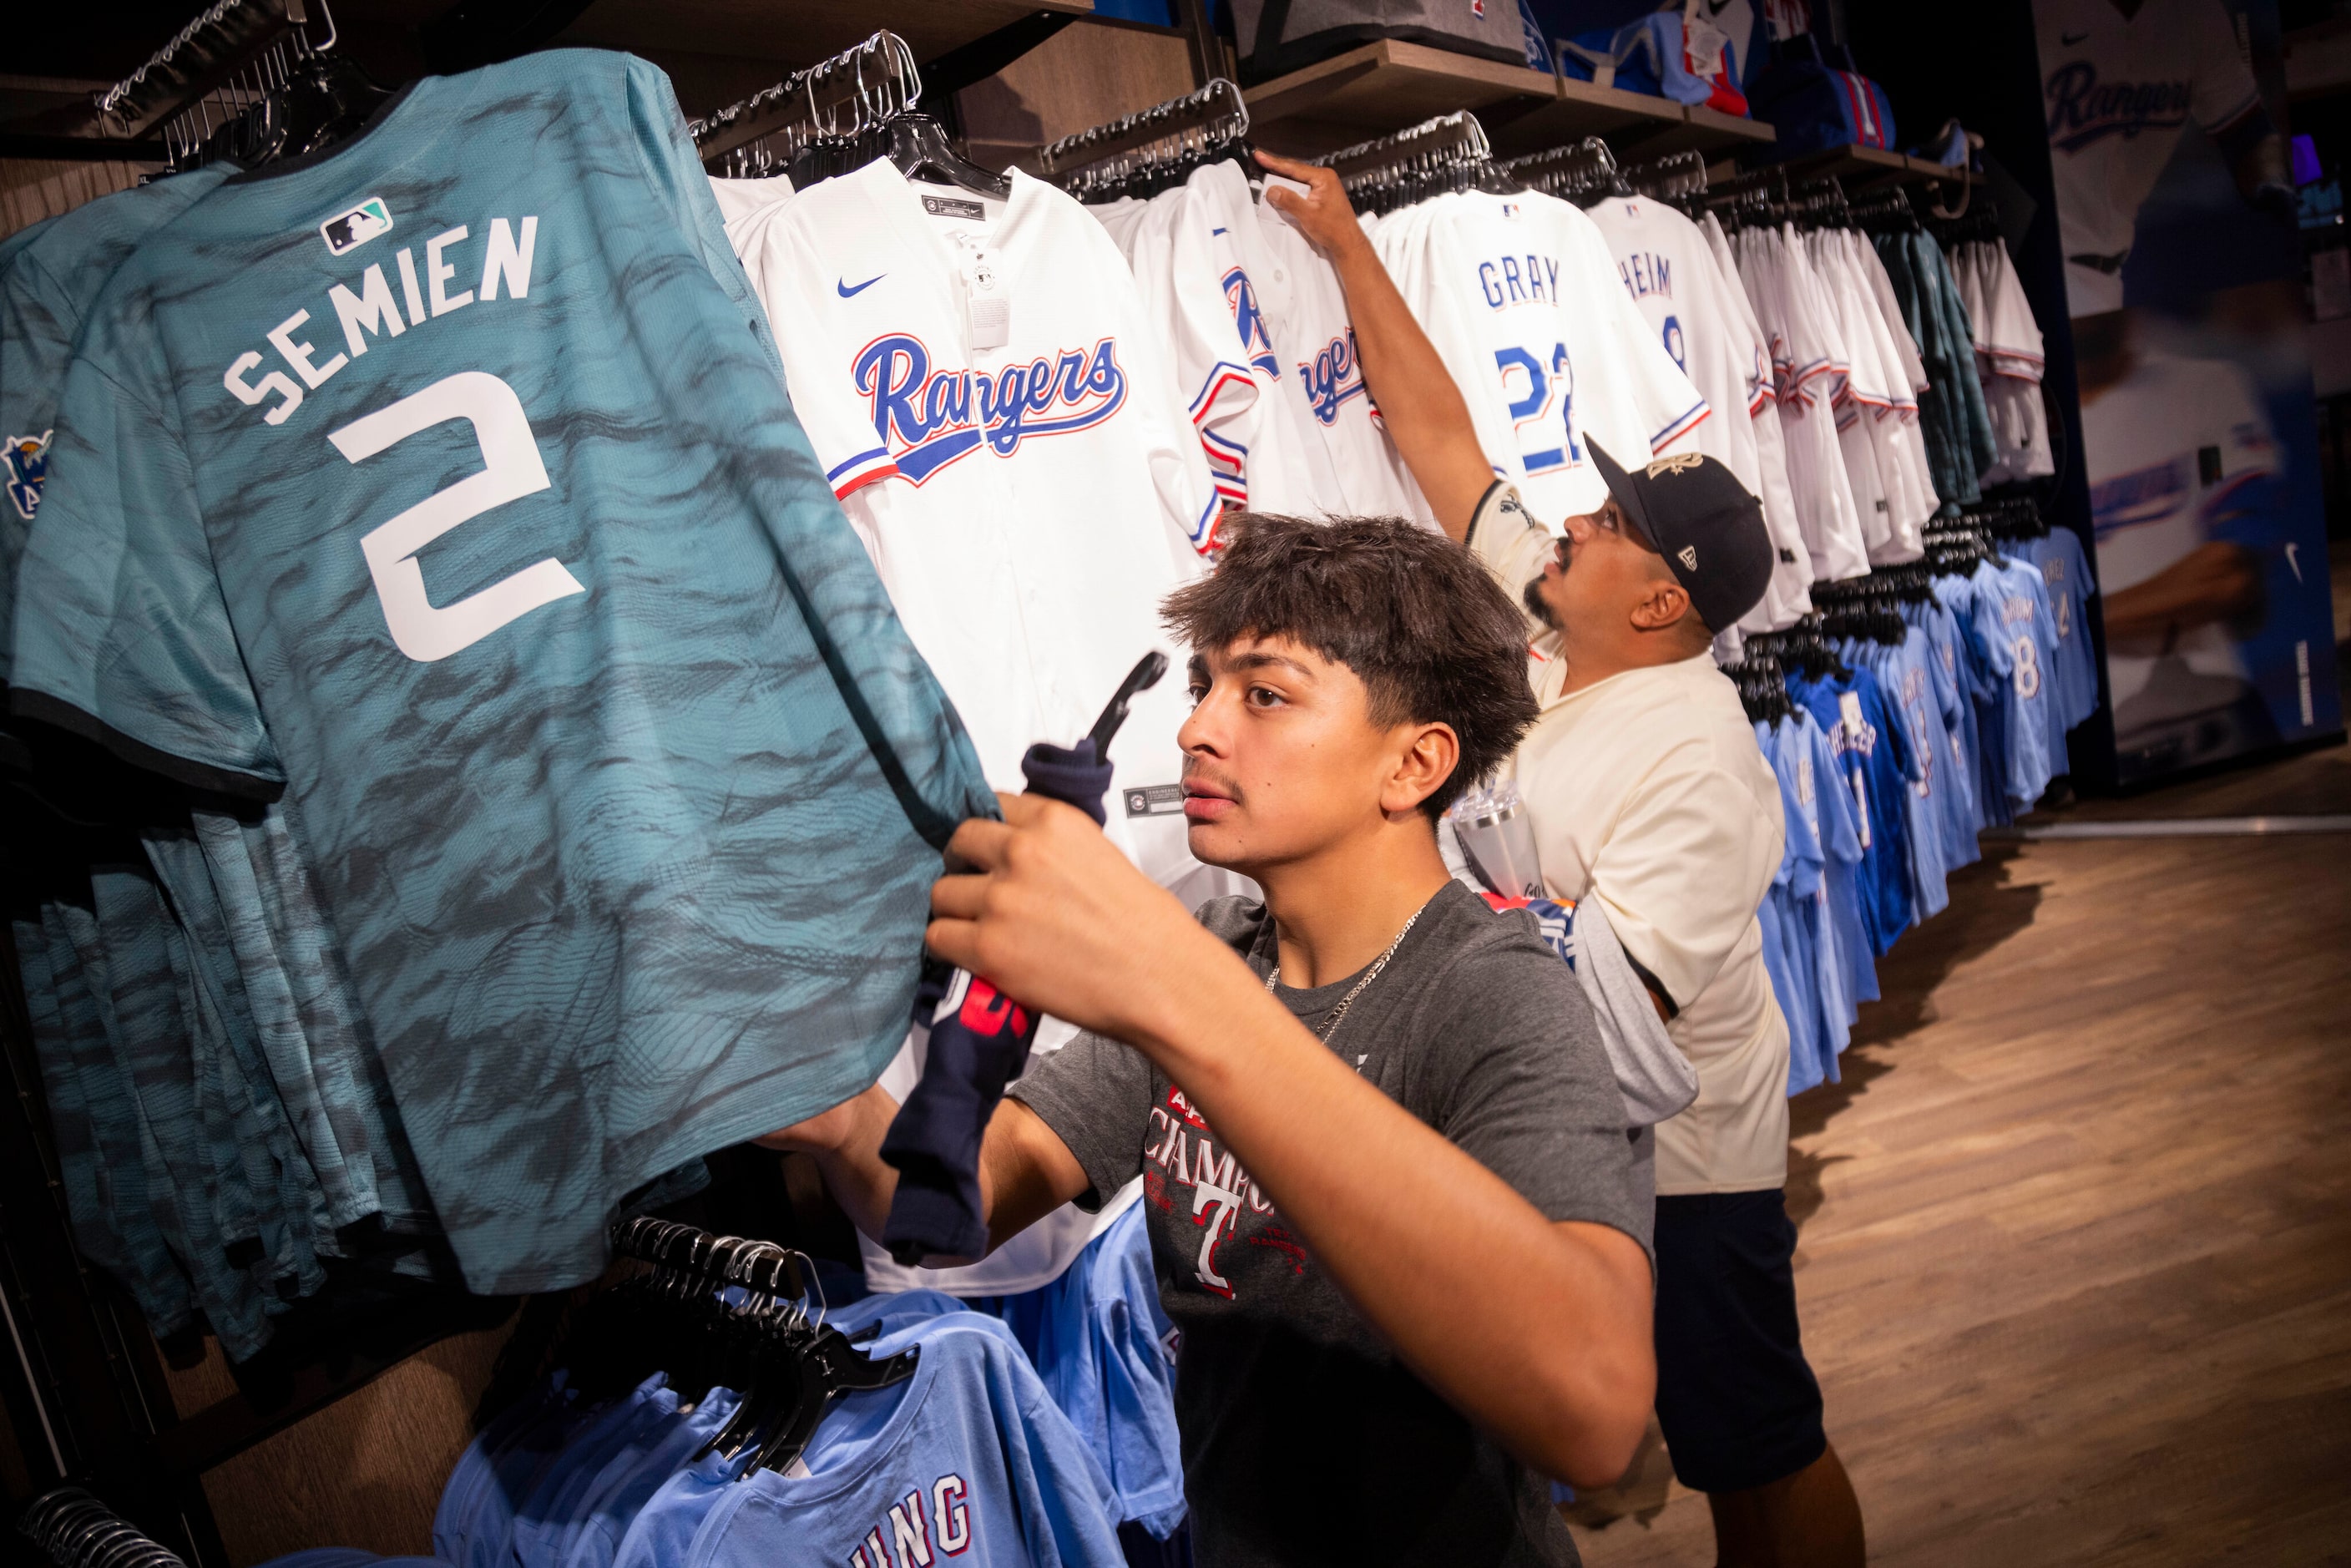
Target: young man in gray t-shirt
{"type": "Point", "coordinates": [1393, 1204]}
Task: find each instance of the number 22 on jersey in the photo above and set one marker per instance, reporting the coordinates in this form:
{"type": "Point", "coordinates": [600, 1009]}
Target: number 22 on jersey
{"type": "Point", "coordinates": [1545, 385]}
{"type": "Point", "coordinates": [511, 469]}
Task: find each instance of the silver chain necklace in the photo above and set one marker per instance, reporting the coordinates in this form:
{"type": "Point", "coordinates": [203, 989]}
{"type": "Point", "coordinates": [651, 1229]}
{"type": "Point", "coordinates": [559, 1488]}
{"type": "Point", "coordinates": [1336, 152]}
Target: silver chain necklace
{"type": "Point", "coordinates": [1355, 990]}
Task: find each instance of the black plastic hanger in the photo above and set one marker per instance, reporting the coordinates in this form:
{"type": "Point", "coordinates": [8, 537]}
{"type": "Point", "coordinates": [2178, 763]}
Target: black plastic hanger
{"type": "Point", "coordinates": [326, 98]}
{"type": "Point", "coordinates": [918, 145]}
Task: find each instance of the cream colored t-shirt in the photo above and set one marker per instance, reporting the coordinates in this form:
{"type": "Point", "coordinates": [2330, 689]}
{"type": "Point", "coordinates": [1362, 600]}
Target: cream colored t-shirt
{"type": "Point", "coordinates": [1647, 791]}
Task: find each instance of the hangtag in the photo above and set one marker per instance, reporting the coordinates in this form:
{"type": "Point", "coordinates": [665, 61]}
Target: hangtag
{"type": "Point", "coordinates": [1702, 41]}
{"type": "Point", "coordinates": [991, 323]}
{"type": "Point", "coordinates": [989, 309]}
{"type": "Point", "coordinates": [1849, 710]}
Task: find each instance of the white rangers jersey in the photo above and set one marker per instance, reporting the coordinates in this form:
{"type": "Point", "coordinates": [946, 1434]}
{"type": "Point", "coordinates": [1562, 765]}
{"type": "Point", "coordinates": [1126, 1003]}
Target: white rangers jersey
{"type": "Point", "coordinates": [1808, 379]}
{"type": "Point", "coordinates": [2118, 89]}
{"type": "Point", "coordinates": [1322, 379]}
{"type": "Point", "coordinates": [1522, 301]}
{"type": "Point", "coordinates": [740, 198]}
{"type": "Point", "coordinates": [2008, 359]}
{"type": "Point", "coordinates": [1201, 271]}
{"type": "Point", "coordinates": [1790, 594]}
{"type": "Point", "coordinates": [997, 415]}
{"type": "Point", "coordinates": [2176, 452]}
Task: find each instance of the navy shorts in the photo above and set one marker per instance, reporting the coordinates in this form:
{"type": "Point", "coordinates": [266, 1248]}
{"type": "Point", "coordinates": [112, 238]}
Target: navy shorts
{"type": "Point", "coordinates": [1738, 1401]}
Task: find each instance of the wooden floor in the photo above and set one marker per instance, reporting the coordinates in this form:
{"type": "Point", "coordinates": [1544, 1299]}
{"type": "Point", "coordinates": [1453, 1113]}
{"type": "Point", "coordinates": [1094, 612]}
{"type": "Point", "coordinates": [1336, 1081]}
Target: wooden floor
{"type": "Point", "coordinates": [2076, 1255]}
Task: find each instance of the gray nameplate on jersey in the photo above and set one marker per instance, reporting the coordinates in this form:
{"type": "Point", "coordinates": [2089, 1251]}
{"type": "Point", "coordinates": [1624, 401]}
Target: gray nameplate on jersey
{"type": "Point", "coordinates": [1155, 801]}
{"type": "Point", "coordinates": [953, 207]}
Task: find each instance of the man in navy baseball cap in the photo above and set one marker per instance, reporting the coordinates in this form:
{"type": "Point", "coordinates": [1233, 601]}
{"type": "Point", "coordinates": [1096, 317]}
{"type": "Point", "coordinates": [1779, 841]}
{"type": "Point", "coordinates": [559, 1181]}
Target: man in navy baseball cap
{"type": "Point", "coordinates": [1691, 511]}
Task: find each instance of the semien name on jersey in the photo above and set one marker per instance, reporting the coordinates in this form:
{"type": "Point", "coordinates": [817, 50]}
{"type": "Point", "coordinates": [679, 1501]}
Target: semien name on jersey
{"type": "Point", "coordinates": [373, 310]}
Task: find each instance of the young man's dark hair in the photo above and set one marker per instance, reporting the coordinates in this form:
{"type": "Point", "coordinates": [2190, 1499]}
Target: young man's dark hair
{"type": "Point", "coordinates": [1414, 615]}
{"type": "Point", "coordinates": [1392, 1205]}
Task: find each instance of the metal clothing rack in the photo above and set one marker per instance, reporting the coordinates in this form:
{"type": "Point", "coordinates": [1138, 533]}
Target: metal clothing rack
{"type": "Point", "coordinates": [213, 70]}
{"type": "Point", "coordinates": [1441, 141]}
{"type": "Point", "coordinates": [764, 1268]}
{"type": "Point", "coordinates": [1670, 178]}
{"type": "Point", "coordinates": [1449, 152]}
{"type": "Point", "coordinates": [834, 99]}
{"type": "Point", "coordinates": [1578, 168]}
{"type": "Point", "coordinates": [1201, 123]}
{"type": "Point", "coordinates": [74, 1529]}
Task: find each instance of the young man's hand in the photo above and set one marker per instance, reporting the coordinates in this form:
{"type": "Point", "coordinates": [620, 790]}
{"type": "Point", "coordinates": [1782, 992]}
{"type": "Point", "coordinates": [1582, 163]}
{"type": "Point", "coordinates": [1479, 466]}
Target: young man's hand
{"type": "Point", "coordinates": [1064, 923]}
{"type": "Point", "coordinates": [1324, 215]}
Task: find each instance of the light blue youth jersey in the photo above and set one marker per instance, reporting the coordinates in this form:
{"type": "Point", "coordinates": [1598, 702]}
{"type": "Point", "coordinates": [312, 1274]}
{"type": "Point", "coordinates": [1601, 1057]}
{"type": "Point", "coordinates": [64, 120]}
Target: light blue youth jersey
{"type": "Point", "coordinates": [1100, 1340]}
{"type": "Point", "coordinates": [969, 1460]}
{"type": "Point", "coordinates": [46, 286]}
{"type": "Point", "coordinates": [446, 483]}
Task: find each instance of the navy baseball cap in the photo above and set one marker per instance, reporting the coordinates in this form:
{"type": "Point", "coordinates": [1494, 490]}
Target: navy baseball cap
{"type": "Point", "coordinates": [1694, 511]}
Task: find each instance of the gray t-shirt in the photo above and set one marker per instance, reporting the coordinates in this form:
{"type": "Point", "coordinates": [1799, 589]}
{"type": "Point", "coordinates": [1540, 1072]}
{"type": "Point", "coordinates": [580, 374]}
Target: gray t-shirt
{"type": "Point", "coordinates": [1305, 1440]}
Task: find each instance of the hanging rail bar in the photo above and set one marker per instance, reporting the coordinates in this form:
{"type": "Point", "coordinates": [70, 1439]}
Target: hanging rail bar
{"type": "Point", "coordinates": [1562, 171]}
{"type": "Point", "coordinates": [863, 85]}
{"type": "Point", "coordinates": [1211, 114]}
{"type": "Point", "coordinates": [1456, 138]}
{"type": "Point", "coordinates": [208, 53]}
{"type": "Point", "coordinates": [719, 1259]}
{"type": "Point", "coordinates": [74, 1529]}
{"type": "Point", "coordinates": [1681, 173]}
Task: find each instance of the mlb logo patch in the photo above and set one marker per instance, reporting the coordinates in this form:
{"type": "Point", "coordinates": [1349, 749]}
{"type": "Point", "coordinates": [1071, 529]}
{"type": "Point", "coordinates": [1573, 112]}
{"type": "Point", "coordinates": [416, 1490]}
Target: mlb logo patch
{"type": "Point", "coordinates": [27, 464]}
{"type": "Point", "coordinates": [347, 231]}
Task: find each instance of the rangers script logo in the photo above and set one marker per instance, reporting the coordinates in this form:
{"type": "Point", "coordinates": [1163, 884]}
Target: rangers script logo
{"type": "Point", "coordinates": [927, 419]}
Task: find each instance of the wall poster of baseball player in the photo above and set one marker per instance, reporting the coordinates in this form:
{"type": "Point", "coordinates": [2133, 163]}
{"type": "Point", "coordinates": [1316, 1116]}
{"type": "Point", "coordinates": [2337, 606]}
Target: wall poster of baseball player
{"type": "Point", "coordinates": [2183, 274]}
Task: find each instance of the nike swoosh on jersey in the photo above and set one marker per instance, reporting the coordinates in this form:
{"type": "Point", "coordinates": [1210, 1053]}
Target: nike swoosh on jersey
{"type": "Point", "coordinates": [850, 291]}
{"type": "Point", "coordinates": [2070, 39]}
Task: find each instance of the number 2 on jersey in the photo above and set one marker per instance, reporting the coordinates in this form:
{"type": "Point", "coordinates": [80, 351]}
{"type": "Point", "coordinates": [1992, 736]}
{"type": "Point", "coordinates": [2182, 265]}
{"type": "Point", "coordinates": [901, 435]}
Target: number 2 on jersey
{"type": "Point", "coordinates": [511, 469]}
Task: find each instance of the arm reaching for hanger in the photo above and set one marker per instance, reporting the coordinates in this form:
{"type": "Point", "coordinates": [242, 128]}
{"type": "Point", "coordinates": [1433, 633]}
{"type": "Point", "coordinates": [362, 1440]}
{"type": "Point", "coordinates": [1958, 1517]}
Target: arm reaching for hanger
{"type": "Point", "coordinates": [1414, 391]}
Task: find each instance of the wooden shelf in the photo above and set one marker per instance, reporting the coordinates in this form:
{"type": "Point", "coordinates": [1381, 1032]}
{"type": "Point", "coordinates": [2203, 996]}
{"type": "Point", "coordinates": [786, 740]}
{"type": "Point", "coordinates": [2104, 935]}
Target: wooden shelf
{"type": "Point", "coordinates": [1383, 87]}
{"type": "Point", "coordinates": [1711, 132]}
{"type": "Point", "coordinates": [1859, 167]}
{"type": "Point", "coordinates": [790, 33]}
{"type": "Point", "coordinates": [1387, 85]}
{"type": "Point", "coordinates": [1578, 110]}
{"type": "Point", "coordinates": [802, 32]}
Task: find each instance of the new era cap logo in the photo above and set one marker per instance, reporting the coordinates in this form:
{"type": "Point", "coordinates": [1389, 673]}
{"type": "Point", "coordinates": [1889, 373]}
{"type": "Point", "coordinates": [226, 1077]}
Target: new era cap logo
{"type": "Point", "coordinates": [1687, 555]}
{"type": "Point", "coordinates": [1679, 462]}
{"type": "Point", "coordinates": [346, 232]}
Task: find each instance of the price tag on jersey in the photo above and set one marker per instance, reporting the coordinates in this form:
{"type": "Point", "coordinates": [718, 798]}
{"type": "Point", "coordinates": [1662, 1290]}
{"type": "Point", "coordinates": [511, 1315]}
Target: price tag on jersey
{"type": "Point", "coordinates": [1155, 801]}
{"type": "Point", "coordinates": [987, 306]}
{"type": "Point", "coordinates": [991, 321]}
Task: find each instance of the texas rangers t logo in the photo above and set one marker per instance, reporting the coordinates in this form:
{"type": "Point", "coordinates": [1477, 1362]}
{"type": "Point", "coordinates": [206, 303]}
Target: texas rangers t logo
{"type": "Point", "coordinates": [1249, 321]}
{"type": "Point", "coordinates": [28, 466]}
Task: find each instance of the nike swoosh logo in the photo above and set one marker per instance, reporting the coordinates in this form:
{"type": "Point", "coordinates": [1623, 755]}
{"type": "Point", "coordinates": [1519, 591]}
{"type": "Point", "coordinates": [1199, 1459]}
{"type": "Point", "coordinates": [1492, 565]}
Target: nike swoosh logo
{"type": "Point", "coordinates": [848, 291]}
{"type": "Point", "coordinates": [2070, 39]}
{"type": "Point", "coordinates": [2289, 560]}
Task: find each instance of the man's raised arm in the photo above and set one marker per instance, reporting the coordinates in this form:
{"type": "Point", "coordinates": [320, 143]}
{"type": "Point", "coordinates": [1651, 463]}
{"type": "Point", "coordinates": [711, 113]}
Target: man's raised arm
{"type": "Point", "coordinates": [1409, 384]}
